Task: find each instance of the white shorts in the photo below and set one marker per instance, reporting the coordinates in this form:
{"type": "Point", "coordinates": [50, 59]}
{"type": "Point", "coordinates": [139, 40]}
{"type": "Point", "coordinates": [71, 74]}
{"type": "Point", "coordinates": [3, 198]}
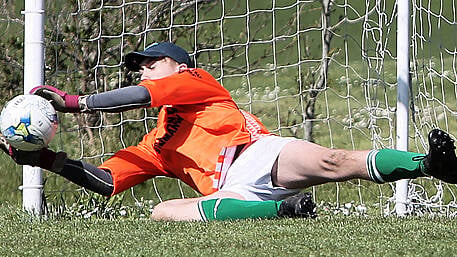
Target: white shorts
{"type": "Point", "coordinates": [250, 174]}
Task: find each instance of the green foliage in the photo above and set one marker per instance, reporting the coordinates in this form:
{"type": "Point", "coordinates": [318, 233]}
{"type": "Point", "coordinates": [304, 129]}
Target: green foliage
{"type": "Point", "coordinates": [10, 180]}
{"type": "Point", "coordinates": [11, 47]}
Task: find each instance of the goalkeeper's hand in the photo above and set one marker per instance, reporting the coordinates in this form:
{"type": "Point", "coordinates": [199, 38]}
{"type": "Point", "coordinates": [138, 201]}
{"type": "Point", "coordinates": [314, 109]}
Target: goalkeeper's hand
{"type": "Point", "coordinates": [43, 158]}
{"type": "Point", "coordinates": [62, 101]}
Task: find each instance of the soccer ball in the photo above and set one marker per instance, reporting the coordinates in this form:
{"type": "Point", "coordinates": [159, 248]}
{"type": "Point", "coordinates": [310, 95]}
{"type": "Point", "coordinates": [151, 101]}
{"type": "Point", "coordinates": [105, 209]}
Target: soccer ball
{"type": "Point", "coordinates": [28, 122]}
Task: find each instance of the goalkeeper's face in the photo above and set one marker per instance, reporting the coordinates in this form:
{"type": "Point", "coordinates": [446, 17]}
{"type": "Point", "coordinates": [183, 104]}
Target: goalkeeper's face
{"type": "Point", "coordinates": [157, 68]}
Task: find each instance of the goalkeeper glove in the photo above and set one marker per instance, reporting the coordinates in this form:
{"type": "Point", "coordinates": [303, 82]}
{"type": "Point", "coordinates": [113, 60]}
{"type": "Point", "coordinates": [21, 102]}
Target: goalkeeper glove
{"type": "Point", "coordinates": [62, 101]}
{"type": "Point", "coordinates": [43, 158]}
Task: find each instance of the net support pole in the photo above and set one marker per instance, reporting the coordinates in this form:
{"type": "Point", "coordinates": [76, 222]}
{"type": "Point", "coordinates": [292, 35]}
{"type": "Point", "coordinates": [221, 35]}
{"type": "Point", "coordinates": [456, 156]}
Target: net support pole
{"type": "Point", "coordinates": [32, 184]}
{"type": "Point", "coordinates": [403, 94]}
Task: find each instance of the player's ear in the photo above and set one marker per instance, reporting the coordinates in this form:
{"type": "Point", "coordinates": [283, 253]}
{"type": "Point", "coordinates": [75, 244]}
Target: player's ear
{"type": "Point", "coordinates": [182, 66]}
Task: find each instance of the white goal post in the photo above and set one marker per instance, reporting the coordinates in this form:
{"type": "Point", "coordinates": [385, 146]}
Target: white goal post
{"type": "Point", "coordinates": [403, 99]}
{"type": "Point", "coordinates": [34, 11]}
{"type": "Point", "coordinates": [334, 72]}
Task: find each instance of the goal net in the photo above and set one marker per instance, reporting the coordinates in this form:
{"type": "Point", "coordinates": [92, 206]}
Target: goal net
{"type": "Point", "coordinates": [316, 71]}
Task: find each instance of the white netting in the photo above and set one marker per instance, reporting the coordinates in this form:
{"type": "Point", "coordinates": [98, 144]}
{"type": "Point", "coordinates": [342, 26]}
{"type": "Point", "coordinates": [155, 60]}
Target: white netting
{"type": "Point", "coordinates": [330, 77]}
{"type": "Point", "coordinates": [434, 85]}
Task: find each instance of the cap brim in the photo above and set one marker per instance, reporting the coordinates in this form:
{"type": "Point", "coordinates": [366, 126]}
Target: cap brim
{"type": "Point", "coordinates": [134, 59]}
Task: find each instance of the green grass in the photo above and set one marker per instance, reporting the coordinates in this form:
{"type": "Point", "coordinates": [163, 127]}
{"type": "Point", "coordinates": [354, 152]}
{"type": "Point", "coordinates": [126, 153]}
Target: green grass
{"type": "Point", "coordinates": [324, 236]}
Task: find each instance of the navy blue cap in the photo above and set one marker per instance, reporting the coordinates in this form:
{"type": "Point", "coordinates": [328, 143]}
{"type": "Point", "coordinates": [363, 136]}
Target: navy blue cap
{"type": "Point", "coordinates": [163, 49]}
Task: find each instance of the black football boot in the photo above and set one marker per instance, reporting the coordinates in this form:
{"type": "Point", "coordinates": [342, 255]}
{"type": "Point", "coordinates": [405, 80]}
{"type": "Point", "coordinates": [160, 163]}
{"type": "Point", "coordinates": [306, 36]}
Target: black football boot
{"type": "Point", "coordinates": [441, 161]}
{"type": "Point", "coordinates": [300, 205]}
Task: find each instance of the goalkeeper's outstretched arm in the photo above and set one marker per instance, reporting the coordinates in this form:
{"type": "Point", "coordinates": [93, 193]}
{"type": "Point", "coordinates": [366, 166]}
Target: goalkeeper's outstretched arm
{"type": "Point", "coordinates": [86, 175]}
{"type": "Point", "coordinates": [117, 100]}
{"type": "Point", "coordinates": [78, 172]}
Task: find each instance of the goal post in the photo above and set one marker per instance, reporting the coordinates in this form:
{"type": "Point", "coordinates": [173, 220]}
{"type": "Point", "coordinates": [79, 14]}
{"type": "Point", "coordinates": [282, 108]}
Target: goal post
{"type": "Point", "coordinates": [403, 98]}
{"type": "Point", "coordinates": [32, 184]}
{"type": "Point", "coordinates": [326, 71]}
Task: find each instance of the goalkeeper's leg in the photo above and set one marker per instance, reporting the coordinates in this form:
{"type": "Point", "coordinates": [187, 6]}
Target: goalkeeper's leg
{"type": "Point", "coordinates": [226, 205]}
{"type": "Point", "coordinates": [303, 164]}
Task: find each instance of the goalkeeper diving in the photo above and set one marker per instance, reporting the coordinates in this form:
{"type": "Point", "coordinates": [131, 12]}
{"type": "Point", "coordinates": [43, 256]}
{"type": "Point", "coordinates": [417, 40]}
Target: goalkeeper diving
{"type": "Point", "coordinates": [204, 139]}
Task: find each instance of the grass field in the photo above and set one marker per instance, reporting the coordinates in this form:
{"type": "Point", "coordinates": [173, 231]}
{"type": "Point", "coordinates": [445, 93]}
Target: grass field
{"type": "Point", "coordinates": [323, 236]}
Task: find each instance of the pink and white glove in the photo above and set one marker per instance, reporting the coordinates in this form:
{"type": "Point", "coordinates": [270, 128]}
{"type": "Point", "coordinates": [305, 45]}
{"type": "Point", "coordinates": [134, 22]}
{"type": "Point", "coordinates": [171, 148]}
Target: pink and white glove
{"type": "Point", "coordinates": [62, 101]}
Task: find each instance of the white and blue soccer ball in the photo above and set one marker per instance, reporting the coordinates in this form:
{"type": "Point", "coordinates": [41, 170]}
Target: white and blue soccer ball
{"type": "Point", "coordinates": [28, 122]}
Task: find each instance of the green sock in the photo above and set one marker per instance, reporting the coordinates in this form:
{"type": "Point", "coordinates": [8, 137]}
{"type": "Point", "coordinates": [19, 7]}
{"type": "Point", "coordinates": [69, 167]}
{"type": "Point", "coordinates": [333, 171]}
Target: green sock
{"type": "Point", "coordinates": [228, 208]}
{"type": "Point", "coordinates": [388, 165]}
